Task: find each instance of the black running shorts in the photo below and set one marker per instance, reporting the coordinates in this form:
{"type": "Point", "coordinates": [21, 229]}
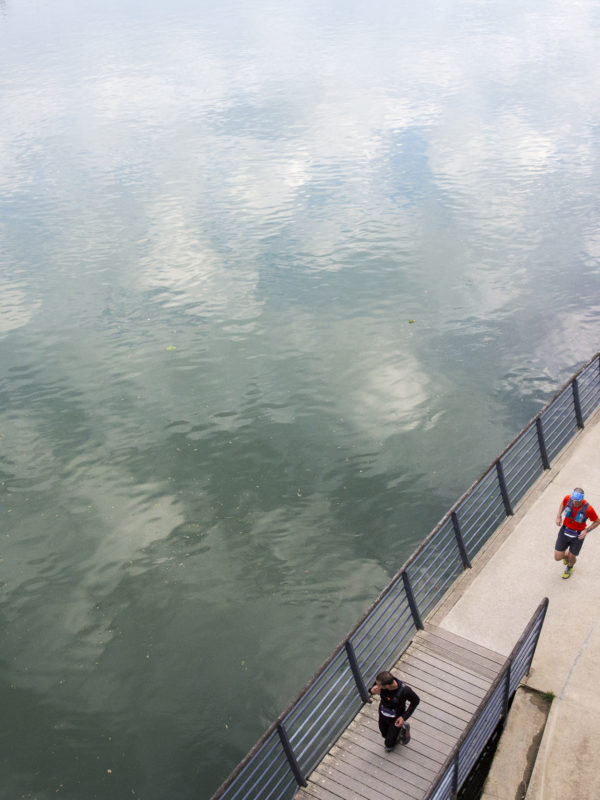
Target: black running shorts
{"type": "Point", "coordinates": [564, 542]}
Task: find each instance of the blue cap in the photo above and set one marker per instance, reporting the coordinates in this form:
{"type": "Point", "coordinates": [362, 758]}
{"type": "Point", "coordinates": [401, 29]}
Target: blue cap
{"type": "Point", "coordinates": [576, 496]}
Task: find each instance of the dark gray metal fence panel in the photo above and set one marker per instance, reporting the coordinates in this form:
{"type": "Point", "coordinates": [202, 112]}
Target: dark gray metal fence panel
{"type": "Point", "coordinates": [443, 790]}
{"type": "Point", "coordinates": [560, 422]}
{"type": "Point", "coordinates": [522, 464]}
{"type": "Point", "coordinates": [589, 389]}
{"type": "Point", "coordinates": [521, 665]}
{"type": "Point", "coordinates": [481, 512]}
{"type": "Point", "coordinates": [435, 568]}
{"type": "Point", "coordinates": [317, 721]}
{"type": "Point", "coordinates": [384, 634]}
{"type": "Point", "coordinates": [390, 649]}
{"type": "Point", "coordinates": [267, 776]}
{"type": "Point", "coordinates": [522, 659]}
{"type": "Point", "coordinates": [481, 731]}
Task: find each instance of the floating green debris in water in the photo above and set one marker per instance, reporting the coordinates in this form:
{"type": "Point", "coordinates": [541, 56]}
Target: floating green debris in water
{"type": "Point", "coordinates": [410, 321]}
{"type": "Point", "coordinates": [171, 347]}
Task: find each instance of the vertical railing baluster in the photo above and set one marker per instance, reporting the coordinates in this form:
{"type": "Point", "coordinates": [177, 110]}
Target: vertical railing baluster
{"type": "Point", "coordinates": [412, 602]}
{"type": "Point", "coordinates": [577, 402]}
{"type": "Point", "coordinates": [358, 678]}
{"type": "Point", "coordinates": [287, 747]}
{"type": "Point", "coordinates": [503, 489]}
{"type": "Point", "coordinates": [460, 541]}
{"type": "Point", "coordinates": [542, 443]}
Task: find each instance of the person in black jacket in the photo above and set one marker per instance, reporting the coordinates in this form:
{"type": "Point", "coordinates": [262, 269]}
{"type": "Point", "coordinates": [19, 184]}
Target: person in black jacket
{"type": "Point", "coordinates": [394, 695]}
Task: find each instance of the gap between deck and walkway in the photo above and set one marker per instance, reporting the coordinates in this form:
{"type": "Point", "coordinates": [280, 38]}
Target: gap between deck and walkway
{"type": "Point", "coordinates": [451, 675]}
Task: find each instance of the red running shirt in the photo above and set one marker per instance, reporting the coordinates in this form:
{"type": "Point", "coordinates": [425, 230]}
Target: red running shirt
{"type": "Point", "coordinates": [570, 521]}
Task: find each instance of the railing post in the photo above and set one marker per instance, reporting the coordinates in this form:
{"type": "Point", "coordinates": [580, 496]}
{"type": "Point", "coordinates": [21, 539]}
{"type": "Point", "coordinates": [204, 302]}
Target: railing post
{"type": "Point", "coordinates": [360, 684]}
{"type": "Point", "coordinates": [542, 443]}
{"type": "Point", "coordinates": [412, 602]}
{"type": "Point", "coordinates": [506, 692]}
{"type": "Point", "coordinates": [287, 747]}
{"type": "Point", "coordinates": [540, 621]}
{"type": "Point", "coordinates": [455, 775]}
{"type": "Point", "coordinates": [503, 489]}
{"type": "Point", "coordinates": [577, 401]}
{"type": "Point", "coordinates": [460, 541]}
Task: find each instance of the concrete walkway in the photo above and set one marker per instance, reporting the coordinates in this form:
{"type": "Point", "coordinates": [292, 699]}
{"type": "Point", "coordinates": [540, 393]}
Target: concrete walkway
{"type": "Point", "coordinates": [492, 603]}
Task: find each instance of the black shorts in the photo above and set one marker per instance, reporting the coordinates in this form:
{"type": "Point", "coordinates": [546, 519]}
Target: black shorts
{"type": "Point", "coordinates": [564, 542]}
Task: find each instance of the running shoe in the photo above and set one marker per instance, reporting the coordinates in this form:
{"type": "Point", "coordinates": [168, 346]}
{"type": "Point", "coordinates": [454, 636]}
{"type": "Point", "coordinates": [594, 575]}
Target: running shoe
{"type": "Point", "coordinates": [565, 561]}
{"type": "Point", "coordinates": [568, 572]}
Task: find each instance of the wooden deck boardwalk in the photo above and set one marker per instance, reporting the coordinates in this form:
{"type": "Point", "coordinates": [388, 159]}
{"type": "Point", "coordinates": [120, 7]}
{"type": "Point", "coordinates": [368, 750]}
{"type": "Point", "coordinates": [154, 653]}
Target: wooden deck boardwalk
{"type": "Point", "coordinates": [451, 675]}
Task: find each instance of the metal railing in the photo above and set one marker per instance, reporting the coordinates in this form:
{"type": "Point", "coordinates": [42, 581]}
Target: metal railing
{"type": "Point", "coordinates": [300, 737]}
{"type": "Point", "coordinates": [492, 709]}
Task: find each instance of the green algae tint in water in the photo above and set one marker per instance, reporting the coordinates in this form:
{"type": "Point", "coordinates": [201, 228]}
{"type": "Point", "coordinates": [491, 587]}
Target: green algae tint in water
{"type": "Point", "coordinates": [276, 284]}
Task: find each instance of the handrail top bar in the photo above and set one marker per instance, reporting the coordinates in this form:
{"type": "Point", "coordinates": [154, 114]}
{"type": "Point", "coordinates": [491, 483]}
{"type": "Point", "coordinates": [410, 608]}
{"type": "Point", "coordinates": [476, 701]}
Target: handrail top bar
{"type": "Point", "coordinates": [395, 578]}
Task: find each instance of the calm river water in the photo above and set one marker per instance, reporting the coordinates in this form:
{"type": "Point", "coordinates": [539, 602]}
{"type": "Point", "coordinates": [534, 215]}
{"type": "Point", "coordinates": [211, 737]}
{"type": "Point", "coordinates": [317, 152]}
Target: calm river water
{"type": "Point", "coordinates": [277, 281]}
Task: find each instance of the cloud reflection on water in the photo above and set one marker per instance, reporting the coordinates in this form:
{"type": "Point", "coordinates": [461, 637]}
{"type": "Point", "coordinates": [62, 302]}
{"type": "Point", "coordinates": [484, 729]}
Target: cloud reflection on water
{"type": "Point", "coordinates": [274, 193]}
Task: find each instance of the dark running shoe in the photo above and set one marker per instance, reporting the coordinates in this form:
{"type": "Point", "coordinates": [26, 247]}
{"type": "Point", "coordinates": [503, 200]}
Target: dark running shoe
{"type": "Point", "coordinates": [405, 733]}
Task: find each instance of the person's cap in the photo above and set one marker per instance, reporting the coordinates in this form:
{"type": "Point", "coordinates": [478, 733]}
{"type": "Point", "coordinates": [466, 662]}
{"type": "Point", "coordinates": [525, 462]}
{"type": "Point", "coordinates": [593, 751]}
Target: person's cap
{"type": "Point", "coordinates": [576, 495]}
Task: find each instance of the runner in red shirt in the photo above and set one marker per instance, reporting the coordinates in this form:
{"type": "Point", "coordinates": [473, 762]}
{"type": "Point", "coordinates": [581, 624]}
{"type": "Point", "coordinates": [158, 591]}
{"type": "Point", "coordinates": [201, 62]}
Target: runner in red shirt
{"type": "Point", "coordinates": [573, 529]}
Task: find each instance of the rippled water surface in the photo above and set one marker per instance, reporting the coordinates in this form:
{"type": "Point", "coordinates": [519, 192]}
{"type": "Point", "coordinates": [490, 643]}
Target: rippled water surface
{"type": "Point", "coordinates": [277, 281]}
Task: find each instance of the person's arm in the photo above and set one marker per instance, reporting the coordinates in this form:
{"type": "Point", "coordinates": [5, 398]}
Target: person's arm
{"type": "Point", "coordinates": [413, 701]}
{"type": "Point", "coordinates": [374, 689]}
{"type": "Point", "coordinates": [589, 528]}
{"type": "Point", "coordinates": [561, 508]}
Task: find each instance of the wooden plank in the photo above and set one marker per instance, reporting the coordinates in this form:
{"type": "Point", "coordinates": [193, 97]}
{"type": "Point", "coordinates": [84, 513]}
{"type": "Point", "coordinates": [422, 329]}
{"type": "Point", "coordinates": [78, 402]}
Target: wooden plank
{"type": "Point", "coordinates": [453, 714]}
{"type": "Point", "coordinates": [420, 650]}
{"type": "Point", "coordinates": [458, 656]}
{"type": "Point", "coordinates": [433, 728]}
{"type": "Point", "coordinates": [376, 764]}
{"type": "Point", "coordinates": [447, 728]}
{"type": "Point", "coordinates": [340, 773]}
{"type": "Point", "coordinates": [315, 792]}
{"type": "Point", "coordinates": [438, 688]}
{"type": "Point", "coordinates": [487, 659]}
{"type": "Point", "coordinates": [350, 789]}
{"type": "Point", "coordinates": [482, 661]}
{"type": "Point", "coordinates": [370, 739]}
{"type": "Point", "coordinates": [388, 780]}
{"type": "Point", "coordinates": [368, 736]}
{"type": "Point", "coordinates": [375, 758]}
{"type": "Point", "coordinates": [463, 707]}
{"type": "Point", "coordinates": [448, 662]}
{"type": "Point", "coordinates": [433, 668]}
{"type": "Point", "coordinates": [442, 712]}
{"type": "Point", "coordinates": [467, 644]}
{"type": "Point", "coordinates": [387, 764]}
{"type": "Point", "coordinates": [372, 751]}
{"type": "Point", "coordinates": [435, 688]}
